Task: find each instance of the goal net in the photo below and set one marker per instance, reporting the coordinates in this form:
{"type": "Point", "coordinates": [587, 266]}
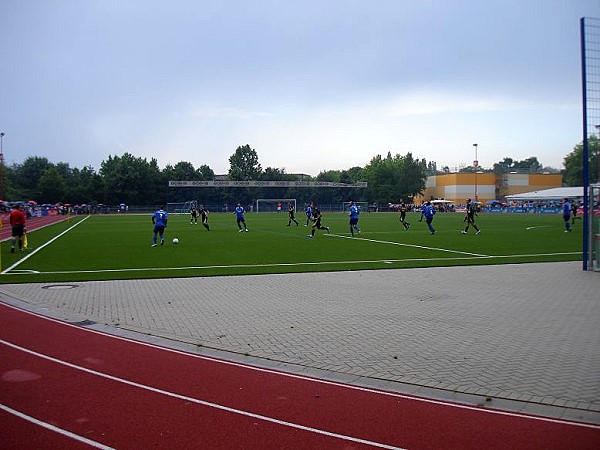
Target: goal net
{"type": "Point", "coordinates": [182, 207]}
{"type": "Point", "coordinates": [362, 206]}
{"type": "Point", "coordinates": [274, 204]}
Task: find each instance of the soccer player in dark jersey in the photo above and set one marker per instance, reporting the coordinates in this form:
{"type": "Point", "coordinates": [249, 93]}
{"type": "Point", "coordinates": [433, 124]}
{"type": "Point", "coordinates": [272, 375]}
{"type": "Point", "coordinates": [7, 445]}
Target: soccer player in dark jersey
{"type": "Point", "coordinates": [574, 208]}
{"type": "Point", "coordinates": [470, 217]}
{"type": "Point", "coordinates": [403, 210]}
{"type": "Point", "coordinates": [159, 219]}
{"type": "Point", "coordinates": [204, 216]}
{"type": "Point", "coordinates": [316, 218]}
{"type": "Point", "coordinates": [193, 216]}
{"type": "Point", "coordinates": [292, 214]}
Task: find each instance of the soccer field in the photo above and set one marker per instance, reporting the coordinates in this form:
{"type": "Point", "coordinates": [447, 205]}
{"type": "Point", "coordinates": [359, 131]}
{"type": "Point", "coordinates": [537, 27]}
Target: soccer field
{"type": "Point", "coordinates": [107, 247]}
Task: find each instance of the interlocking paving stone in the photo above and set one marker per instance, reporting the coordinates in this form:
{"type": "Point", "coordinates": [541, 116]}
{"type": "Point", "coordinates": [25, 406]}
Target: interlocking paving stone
{"type": "Point", "coordinates": [520, 332]}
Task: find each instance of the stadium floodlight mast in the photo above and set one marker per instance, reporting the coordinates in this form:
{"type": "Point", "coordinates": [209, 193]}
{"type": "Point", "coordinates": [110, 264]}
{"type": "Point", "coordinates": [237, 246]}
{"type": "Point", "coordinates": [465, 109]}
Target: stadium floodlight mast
{"type": "Point", "coordinates": [2, 164]}
{"type": "Point", "coordinates": [475, 166]}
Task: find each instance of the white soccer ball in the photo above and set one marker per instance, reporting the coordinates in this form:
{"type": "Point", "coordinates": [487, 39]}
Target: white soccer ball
{"type": "Point", "coordinates": [175, 241]}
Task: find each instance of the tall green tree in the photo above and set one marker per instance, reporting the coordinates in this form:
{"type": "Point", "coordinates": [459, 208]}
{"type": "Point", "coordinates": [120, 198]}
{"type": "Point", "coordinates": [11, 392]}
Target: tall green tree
{"type": "Point", "coordinates": [244, 165]}
{"type": "Point", "coordinates": [28, 174]}
{"type": "Point", "coordinates": [50, 186]}
{"type": "Point", "coordinates": [87, 187]}
{"type": "Point", "coordinates": [205, 173]}
{"type": "Point", "coordinates": [573, 162]}
{"type": "Point", "coordinates": [504, 166]}
{"type": "Point", "coordinates": [529, 165]}
{"type": "Point", "coordinates": [132, 180]}
{"type": "Point", "coordinates": [395, 178]}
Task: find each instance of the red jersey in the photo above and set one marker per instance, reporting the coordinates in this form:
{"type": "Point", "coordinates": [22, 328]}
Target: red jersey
{"type": "Point", "coordinates": [17, 217]}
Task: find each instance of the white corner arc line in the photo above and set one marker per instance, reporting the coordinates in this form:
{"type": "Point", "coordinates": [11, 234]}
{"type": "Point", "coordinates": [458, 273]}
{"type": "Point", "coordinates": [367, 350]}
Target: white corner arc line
{"type": "Point", "coordinates": [8, 269]}
{"type": "Point", "coordinates": [201, 402]}
{"type": "Point", "coordinates": [51, 427]}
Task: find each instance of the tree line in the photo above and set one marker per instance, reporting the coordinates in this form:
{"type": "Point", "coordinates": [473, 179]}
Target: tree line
{"type": "Point", "coordinates": [138, 181]}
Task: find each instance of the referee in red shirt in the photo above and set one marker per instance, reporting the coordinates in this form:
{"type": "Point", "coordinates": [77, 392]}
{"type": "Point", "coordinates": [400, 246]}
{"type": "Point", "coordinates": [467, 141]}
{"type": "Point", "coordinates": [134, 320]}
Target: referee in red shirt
{"type": "Point", "coordinates": [17, 222]}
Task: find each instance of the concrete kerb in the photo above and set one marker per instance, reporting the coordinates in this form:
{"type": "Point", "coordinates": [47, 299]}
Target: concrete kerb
{"type": "Point", "coordinates": [566, 281]}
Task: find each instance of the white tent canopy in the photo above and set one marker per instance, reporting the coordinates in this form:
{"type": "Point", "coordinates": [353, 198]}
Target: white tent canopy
{"type": "Point", "coordinates": [575, 193]}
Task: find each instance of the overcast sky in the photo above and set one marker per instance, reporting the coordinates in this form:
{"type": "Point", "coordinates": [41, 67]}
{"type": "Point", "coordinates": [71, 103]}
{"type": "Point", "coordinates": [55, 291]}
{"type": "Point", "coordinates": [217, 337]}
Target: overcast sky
{"type": "Point", "coordinates": [310, 85]}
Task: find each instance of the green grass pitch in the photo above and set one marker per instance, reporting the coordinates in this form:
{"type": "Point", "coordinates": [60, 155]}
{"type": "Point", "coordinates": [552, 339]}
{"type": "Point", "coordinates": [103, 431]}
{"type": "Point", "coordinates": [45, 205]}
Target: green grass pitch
{"type": "Point", "coordinates": [107, 247]}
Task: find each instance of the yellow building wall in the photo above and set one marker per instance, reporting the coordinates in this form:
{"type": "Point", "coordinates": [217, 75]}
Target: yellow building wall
{"type": "Point", "coordinates": [457, 187]}
{"type": "Point", "coordinates": [516, 183]}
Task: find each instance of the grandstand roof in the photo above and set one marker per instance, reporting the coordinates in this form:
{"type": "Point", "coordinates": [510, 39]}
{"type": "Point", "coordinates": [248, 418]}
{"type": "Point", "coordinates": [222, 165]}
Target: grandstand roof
{"type": "Point", "coordinates": [549, 194]}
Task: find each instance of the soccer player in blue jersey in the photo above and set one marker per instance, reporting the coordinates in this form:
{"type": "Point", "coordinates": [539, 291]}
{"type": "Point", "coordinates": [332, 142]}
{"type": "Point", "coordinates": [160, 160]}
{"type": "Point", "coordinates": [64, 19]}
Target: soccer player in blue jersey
{"type": "Point", "coordinates": [159, 220]}
{"type": "Point", "coordinates": [308, 211]}
{"type": "Point", "coordinates": [353, 213]}
{"type": "Point", "coordinates": [428, 211]}
{"type": "Point", "coordinates": [239, 214]}
{"type": "Point", "coordinates": [567, 215]}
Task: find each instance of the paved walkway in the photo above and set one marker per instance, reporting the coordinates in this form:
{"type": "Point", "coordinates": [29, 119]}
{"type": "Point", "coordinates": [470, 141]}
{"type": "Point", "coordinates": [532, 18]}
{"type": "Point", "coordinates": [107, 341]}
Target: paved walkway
{"type": "Point", "coordinates": [518, 337]}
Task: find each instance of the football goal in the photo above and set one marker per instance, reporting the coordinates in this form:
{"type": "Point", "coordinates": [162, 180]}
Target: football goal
{"type": "Point", "coordinates": [182, 207]}
{"type": "Point", "coordinates": [274, 204]}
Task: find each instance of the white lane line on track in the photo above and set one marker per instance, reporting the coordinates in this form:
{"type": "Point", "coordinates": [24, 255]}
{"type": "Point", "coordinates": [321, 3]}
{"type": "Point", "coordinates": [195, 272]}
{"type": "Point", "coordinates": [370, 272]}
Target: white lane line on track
{"type": "Point", "coordinates": [51, 427]}
{"type": "Point", "coordinates": [200, 402]}
{"type": "Point", "coordinates": [315, 380]}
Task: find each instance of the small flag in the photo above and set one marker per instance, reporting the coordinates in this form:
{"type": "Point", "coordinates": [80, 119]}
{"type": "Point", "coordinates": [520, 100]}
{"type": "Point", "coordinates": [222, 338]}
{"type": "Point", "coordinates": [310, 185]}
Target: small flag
{"type": "Point", "coordinates": [25, 240]}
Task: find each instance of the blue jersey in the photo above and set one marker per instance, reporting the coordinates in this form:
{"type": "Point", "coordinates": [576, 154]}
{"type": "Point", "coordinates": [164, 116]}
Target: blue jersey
{"type": "Point", "coordinates": [354, 212]}
{"type": "Point", "coordinates": [566, 209]}
{"type": "Point", "coordinates": [159, 218]}
{"type": "Point", "coordinates": [428, 211]}
{"type": "Point", "coordinates": [308, 211]}
{"type": "Point", "coordinates": [239, 212]}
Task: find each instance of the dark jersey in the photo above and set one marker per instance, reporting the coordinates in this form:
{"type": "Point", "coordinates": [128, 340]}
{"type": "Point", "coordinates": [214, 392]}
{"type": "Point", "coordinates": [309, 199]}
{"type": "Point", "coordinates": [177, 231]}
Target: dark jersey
{"type": "Point", "coordinates": [471, 210]}
{"type": "Point", "coordinates": [204, 214]}
{"type": "Point", "coordinates": [316, 216]}
{"type": "Point", "coordinates": [402, 211]}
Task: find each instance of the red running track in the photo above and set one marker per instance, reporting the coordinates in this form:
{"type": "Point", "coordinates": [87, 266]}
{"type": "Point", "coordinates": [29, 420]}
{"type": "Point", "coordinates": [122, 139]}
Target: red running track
{"type": "Point", "coordinates": [66, 386]}
{"type": "Point", "coordinates": [33, 223]}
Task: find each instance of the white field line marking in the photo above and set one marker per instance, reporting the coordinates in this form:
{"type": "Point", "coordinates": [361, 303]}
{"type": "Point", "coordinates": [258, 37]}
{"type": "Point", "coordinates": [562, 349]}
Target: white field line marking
{"type": "Point", "coordinates": [53, 428]}
{"type": "Point", "coordinates": [198, 401]}
{"type": "Point", "coordinates": [253, 266]}
{"type": "Point", "coordinates": [407, 245]}
{"type": "Point", "coordinates": [8, 269]}
{"type": "Point", "coordinates": [305, 378]}
{"type": "Point", "coordinates": [39, 228]}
